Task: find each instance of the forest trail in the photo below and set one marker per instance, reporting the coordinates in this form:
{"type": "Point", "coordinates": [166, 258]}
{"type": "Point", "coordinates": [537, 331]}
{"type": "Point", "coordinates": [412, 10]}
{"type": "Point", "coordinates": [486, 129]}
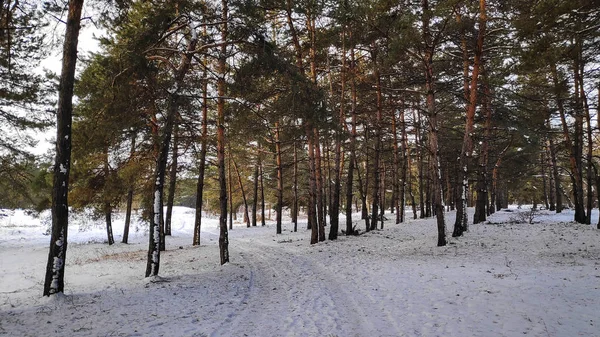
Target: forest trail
{"type": "Point", "coordinates": [333, 306]}
{"type": "Point", "coordinates": [395, 283]}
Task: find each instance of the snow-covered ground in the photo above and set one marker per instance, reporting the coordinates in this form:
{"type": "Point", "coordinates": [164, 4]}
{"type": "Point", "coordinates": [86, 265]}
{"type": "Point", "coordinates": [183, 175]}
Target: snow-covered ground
{"type": "Point", "coordinates": [500, 279]}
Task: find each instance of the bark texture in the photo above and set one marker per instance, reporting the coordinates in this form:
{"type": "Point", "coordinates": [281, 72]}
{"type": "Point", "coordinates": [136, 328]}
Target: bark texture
{"type": "Point", "coordinates": [223, 234]}
{"type": "Point", "coordinates": [54, 281]}
{"type": "Point", "coordinates": [201, 160]}
{"type": "Point", "coordinates": [461, 224]}
{"type": "Point", "coordinates": [172, 179]}
{"type": "Point", "coordinates": [434, 164]}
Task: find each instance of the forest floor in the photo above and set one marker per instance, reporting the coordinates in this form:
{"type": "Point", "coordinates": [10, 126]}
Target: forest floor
{"type": "Point", "coordinates": [502, 278]}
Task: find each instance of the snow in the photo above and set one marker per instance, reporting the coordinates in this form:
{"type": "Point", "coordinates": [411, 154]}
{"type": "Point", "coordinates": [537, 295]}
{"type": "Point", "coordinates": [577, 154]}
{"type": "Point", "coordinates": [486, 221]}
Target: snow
{"type": "Point", "coordinates": [502, 278]}
{"type": "Point", "coordinates": [57, 265]}
{"type": "Point", "coordinates": [193, 31]}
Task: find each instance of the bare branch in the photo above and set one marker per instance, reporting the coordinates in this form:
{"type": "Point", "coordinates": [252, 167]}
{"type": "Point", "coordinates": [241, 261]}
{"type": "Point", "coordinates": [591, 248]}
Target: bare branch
{"type": "Point", "coordinates": [162, 59]}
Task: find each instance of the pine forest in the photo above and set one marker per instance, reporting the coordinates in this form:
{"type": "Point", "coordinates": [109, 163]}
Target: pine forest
{"type": "Point", "coordinates": [299, 168]}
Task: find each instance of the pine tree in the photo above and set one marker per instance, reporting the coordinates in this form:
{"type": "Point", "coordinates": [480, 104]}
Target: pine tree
{"type": "Point", "coordinates": [429, 44]}
{"type": "Point", "coordinates": [565, 35]}
{"type": "Point", "coordinates": [222, 61]}
{"type": "Point", "coordinates": [100, 130]}
{"type": "Point", "coordinates": [22, 47]}
{"type": "Point", "coordinates": [23, 96]}
{"type": "Point", "coordinates": [55, 269]}
{"type": "Point", "coordinates": [461, 223]}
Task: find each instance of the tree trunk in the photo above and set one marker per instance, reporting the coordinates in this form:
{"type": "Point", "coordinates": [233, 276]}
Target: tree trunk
{"type": "Point", "coordinates": [241, 185]}
{"type": "Point", "coordinates": [335, 199]}
{"type": "Point", "coordinates": [366, 167]}
{"type": "Point", "coordinates": [449, 190]}
{"type": "Point", "coordinates": [279, 178]}
{"type": "Point", "coordinates": [421, 161]}
{"type": "Point", "coordinates": [410, 184]}
{"type": "Point", "coordinates": [156, 237]}
{"type": "Point", "coordinates": [319, 186]}
{"type": "Point", "coordinates": [262, 196]}
{"type": "Point", "coordinates": [428, 191]}
{"type": "Point", "coordinates": [295, 201]}
{"type": "Point", "coordinates": [55, 268]}
{"type": "Point", "coordinates": [590, 146]}
{"type": "Point", "coordinates": [363, 196]}
{"type": "Point", "coordinates": [312, 190]}
{"type": "Point", "coordinates": [555, 173]}
{"type": "Point", "coordinates": [461, 224]}
{"type": "Point", "coordinates": [255, 191]}
{"type": "Point", "coordinates": [482, 181]}
{"type": "Point", "coordinates": [156, 233]}
{"type": "Point", "coordinates": [129, 197]}
{"type": "Point", "coordinates": [598, 189]}
{"type": "Point", "coordinates": [495, 198]}
{"type": "Point", "coordinates": [327, 180]}
{"type": "Point", "coordinates": [222, 59]}
{"type": "Point", "coordinates": [573, 147]}
{"type": "Point", "coordinates": [551, 181]}
{"type": "Point", "coordinates": [229, 184]}
{"type": "Point", "coordinates": [172, 179]}
{"type": "Point", "coordinates": [433, 126]}
{"type": "Point", "coordinates": [482, 193]}
{"type": "Point", "coordinates": [580, 215]}
{"type": "Point", "coordinates": [161, 232]}
{"type": "Point", "coordinates": [405, 167]}
{"type": "Point", "coordinates": [545, 184]}
{"type": "Point", "coordinates": [316, 148]}
{"type": "Point", "coordinates": [377, 152]}
{"type": "Point", "coordinates": [494, 190]}
{"type": "Point", "coordinates": [396, 167]}
{"type": "Point", "coordinates": [382, 195]}
{"type": "Point", "coordinates": [128, 216]}
{"type": "Point", "coordinates": [202, 159]}
{"type": "Point", "coordinates": [352, 149]}
{"type": "Point", "coordinates": [107, 206]}
{"type": "Point", "coordinates": [108, 218]}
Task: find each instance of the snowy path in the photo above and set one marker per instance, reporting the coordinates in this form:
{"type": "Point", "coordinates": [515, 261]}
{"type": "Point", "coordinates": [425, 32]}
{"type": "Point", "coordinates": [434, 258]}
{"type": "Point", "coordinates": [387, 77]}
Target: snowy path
{"type": "Point", "coordinates": [292, 294]}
